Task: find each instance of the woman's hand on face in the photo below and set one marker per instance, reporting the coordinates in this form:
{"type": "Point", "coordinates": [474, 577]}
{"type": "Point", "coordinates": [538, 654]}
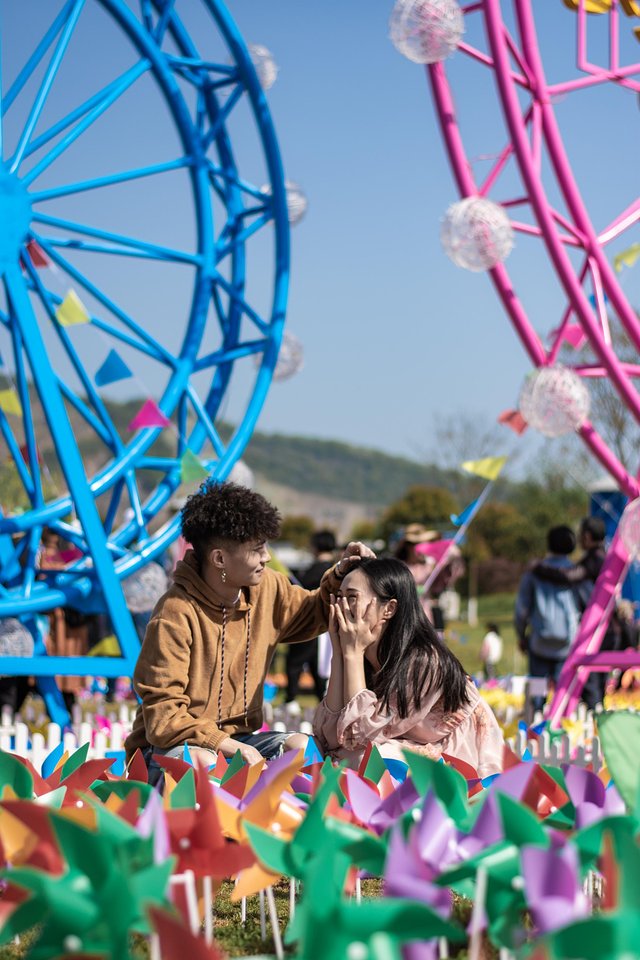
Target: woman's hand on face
{"type": "Point", "coordinates": [358, 626]}
{"type": "Point", "coordinates": [334, 631]}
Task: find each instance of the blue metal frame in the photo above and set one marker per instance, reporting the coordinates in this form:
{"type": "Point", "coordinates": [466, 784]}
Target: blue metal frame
{"type": "Point", "coordinates": [110, 554]}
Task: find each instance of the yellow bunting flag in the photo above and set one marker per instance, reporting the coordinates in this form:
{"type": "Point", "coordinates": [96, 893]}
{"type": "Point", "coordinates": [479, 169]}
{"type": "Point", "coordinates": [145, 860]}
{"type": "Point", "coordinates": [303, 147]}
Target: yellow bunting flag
{"type": "Point", "coordinates": [72, 311]}
{"type": "Point", "coordinates": [10, 402]}
{"type": "Point", "coordinates": [489, 467]}
{"type": "Point", "coordinates": [627, 258]}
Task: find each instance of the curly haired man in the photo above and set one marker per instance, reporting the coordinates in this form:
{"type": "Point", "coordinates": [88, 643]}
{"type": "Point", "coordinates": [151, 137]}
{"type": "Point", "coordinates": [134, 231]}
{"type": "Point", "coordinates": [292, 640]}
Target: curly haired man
{"type": "Point", "coordinates": [212, 636]}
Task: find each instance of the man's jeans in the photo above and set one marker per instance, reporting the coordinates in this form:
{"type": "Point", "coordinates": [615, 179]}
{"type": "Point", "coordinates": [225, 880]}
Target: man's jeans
{"type": "Point", "coordinates": [269, 744]}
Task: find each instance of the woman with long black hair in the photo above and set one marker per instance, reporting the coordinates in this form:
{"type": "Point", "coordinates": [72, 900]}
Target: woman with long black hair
{"type": "Point", "coordinates": [394, 682]}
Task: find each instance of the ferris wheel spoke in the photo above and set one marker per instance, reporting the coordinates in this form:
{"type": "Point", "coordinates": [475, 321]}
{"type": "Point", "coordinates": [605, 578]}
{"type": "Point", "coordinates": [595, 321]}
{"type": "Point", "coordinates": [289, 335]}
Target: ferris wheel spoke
{"type": "Point", "coordinates": [164, 21]}
{"type": "Point", "coordinates": [152, 250]}
{"type": "Point", "coordinates": [240, 302]}
{"type": "Point", "coordinates": [109, 434]}
{"type": "Point", "coordinates": [236, 181]}
{"type": "Point", "coordinates": [94, 102]}
{"type": "Point", "coordinates": [22, 384]}
{"type": "Point", "coordinates": [36, 56]}
{"type": "Point", "coordinates": [206, 421]}
{"type": "Point", "coordinates": [222, 117]}
{"type": "Point", "coordinates": [45, 86]}
{"type": "Point", "coordinates": [242, 237]}
{"type": "Point", "coordinates": [157, 350]}
{"type": "Point", "coordinates": [626, 219]}
{"type": "Point", "coordinates": [110, 179]}
{"type": "Point", "coordinates": [134, 500]}
{"type": "Point", "coordinates": [146, 12]}
{"type": "Point", "coordinates": [228, 355]}
{"type": "Point", "coordinates": [16, 455]}
{"type": "Point", "coordinates": [103, 103]}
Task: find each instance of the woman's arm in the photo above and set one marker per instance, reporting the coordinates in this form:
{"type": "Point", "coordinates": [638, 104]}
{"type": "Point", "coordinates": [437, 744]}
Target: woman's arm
{"type": "Point", "coordinates": [334, 697]}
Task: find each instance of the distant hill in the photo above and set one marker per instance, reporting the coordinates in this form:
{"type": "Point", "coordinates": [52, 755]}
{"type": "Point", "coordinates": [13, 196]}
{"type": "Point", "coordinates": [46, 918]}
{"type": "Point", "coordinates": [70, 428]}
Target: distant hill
{"type": "Point", "coordinates": [338, 470]}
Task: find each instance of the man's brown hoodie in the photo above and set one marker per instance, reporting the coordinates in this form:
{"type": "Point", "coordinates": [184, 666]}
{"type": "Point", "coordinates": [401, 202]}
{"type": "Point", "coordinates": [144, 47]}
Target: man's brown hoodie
{"type": "Point", "coordinates": [202, 666]}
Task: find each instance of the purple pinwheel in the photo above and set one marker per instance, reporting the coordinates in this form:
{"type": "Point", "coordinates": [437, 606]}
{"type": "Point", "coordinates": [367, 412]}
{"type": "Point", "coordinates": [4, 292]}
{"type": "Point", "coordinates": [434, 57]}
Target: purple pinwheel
{"type": "Point", "coordinates": [372, 812]}
{"type": "Point", "coordinates": [552, 887]}
{"type": "Point", "coordinates": [591, 799]}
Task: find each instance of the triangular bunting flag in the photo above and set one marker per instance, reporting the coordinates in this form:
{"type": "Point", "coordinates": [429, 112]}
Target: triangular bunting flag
{"type": "Point", "coordinates": [514, 420]}
{"type": "Point", "coordinates": [10, 402]}
{"type": "Point", "coordinates": [627, 258]}
{"type": "Point", "coordinates": [149, 415]}
{"type": "Point", "coordinates": [114, 368]}
{"type": "Point", "coordinates": [37, 254]}
{"type": "Point", "coordinates": [191, 468]}
{"type": "Point", "coordinates": [489, 467]}
{"type": "Point", "coordinates": [459, 519]}
{"type": "Point", "coordinates": [107, 647]}
{"type": "Point", "coordinates": [72, 311]}
{"type": "Point", "coordinates": [574, 335]}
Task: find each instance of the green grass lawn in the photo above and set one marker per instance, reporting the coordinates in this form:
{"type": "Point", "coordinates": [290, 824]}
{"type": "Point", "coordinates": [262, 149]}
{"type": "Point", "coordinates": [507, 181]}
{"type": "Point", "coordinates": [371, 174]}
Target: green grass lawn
{"type": "Point", "coordinates": [465, 641]}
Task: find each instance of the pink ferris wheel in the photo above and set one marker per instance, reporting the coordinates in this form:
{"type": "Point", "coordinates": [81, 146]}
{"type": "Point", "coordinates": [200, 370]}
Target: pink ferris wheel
{"type": "Point", "coordinates": [530, 197]}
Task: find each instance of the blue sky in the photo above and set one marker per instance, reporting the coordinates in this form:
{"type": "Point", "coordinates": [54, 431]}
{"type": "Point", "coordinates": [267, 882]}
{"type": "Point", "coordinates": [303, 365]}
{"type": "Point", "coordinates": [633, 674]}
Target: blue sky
{"type": "Point", "coordinates": [395, 336]}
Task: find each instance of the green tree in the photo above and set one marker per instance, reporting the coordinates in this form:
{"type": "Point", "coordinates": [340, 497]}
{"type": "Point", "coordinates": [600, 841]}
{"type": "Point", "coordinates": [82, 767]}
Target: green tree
{"type": "Point", "coordinates": [297, 530]}
{"type": "Point", "coordinates": [364, 530]}
{"type": "Point", "coordinates": [501, 530]}
{"type": "Point", "coordinates": [431, 506]}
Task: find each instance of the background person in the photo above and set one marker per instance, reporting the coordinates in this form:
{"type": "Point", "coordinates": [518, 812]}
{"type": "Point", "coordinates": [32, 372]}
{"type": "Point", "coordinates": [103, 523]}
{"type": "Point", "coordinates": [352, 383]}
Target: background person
{"type": "Point", "coordinates": [323, 544]}
{"type": "Point", "coordinates": [547, 613]}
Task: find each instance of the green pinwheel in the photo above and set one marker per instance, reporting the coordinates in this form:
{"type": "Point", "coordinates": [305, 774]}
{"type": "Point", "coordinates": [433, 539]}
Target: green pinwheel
{"type": "Point", "coordinates": [109, 881]}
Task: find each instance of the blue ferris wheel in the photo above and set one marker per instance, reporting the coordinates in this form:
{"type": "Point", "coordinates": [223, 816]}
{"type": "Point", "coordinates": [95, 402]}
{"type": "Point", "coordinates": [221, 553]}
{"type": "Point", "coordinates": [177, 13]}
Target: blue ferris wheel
{"type": "Point", "coordinates": [143, 228]}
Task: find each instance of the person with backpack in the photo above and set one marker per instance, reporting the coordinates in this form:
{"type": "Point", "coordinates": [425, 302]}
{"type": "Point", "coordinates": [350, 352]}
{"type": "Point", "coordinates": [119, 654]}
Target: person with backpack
{"type": "Point", "coordinates": [547, 613]}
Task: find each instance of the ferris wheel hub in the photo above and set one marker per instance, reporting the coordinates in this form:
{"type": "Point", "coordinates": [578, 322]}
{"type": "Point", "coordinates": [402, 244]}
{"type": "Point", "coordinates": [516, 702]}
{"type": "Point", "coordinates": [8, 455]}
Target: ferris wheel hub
{"type": "Point", "coordinates": [15, 218]}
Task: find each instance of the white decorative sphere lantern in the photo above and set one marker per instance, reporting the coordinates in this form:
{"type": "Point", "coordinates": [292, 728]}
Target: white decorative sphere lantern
{"type": "Point", "coordinates": [426, 31]}
{"type": "Point", "coordinates": [290, 358]}
{"type": "Point", "coordinates": [143, 589]}
{"type": "Point", "coordinates": [629, 529]}
{"type": "Point", "coordinates": [296, 199]}
{"type": "Point", "coordinates": [265, 65]}
{"type": "Point", "coordinates": [476, 234]}
{"type": "Point", "coordinates": [554, 400]}
{"type": "Point", "coordinates": [242, 475]}
{"type": "Point", "coordinates": [15, 639]}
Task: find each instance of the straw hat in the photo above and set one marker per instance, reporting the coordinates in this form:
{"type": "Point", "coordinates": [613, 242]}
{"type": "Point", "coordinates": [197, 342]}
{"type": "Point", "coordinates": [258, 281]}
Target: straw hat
{"type": "Point", "coordinates": [416, 533]}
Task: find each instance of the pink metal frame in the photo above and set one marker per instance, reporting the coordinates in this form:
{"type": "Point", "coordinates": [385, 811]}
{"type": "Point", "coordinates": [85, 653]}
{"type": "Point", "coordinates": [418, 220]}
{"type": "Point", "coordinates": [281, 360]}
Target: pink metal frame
{"type": "Point", "coordinates": [534, 133]}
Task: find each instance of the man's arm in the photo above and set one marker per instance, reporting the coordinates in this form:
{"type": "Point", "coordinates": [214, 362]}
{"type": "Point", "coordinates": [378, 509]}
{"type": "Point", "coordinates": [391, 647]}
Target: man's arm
{"type": "Point", "coordinates": [303, 614]}
{"type": "Point", "coordinates": [562, 576]}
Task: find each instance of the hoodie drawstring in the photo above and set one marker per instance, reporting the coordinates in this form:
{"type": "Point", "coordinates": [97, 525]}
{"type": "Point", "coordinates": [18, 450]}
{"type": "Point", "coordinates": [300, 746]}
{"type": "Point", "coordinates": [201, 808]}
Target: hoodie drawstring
{"type": "Point", "coordinates": [246, 664]}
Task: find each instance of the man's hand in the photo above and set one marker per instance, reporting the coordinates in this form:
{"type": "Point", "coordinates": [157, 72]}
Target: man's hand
{"type": "Point", "coordinates": [249, 754]}
{"type": "Point", "coordinates": [353, 554]}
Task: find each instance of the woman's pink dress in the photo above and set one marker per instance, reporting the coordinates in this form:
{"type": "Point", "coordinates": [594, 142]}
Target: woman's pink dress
{"type": "Point", "coordinates": [471, 734]}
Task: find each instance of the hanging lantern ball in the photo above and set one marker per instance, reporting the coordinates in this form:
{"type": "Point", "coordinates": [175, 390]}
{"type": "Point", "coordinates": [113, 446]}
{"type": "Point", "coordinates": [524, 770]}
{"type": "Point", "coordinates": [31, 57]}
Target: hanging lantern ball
{"type": "Point", "coordinates": [290, 358]}
{"type": "Point", "coordinates": [15, 639]}
{"type": "Point", "coordinates": [296, 199]}
{"type": "Point", "coordinates": [629, 529]}
{"type": "Point", "coordinates": [426, 31]}
{"type": "Point", "coordinates": [143, 589]}
{"type": "Point", "coordinates": [476, 234]}
{"type": "Point", "coordinates": [554, 400]}
{"type": "Point", "coordinates": [242, 475]}
{"type": "Point", "coordinates": [265, 65]}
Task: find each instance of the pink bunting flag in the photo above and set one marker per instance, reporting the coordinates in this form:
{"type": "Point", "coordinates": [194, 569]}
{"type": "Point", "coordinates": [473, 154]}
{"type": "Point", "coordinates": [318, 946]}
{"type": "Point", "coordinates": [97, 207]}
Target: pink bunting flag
{"type": "Point", "coordinates": [435, 550]}
{"type": "Point", "coordinates": [514, 420]}
{"type": "Point", "coordinates": [149, 415]}
{"type": "Point", "coordinates": [574, 335]}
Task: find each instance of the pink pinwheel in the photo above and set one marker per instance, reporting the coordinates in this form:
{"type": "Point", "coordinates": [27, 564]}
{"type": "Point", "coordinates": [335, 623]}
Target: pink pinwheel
{"type": "Point", "coordinates": [552, 887]}
{"type": "Point", "coordinates": [591, 799]}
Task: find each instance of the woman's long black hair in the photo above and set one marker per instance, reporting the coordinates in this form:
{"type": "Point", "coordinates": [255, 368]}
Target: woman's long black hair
{"type": "Point", "coordinates": [412, 658]}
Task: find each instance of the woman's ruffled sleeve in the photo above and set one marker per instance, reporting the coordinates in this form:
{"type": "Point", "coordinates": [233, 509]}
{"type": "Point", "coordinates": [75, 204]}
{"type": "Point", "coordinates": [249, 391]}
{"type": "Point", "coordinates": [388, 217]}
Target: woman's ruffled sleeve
{"type": "Point", "coordinates": [325, 727]}
{"type": "Point", "coordinates": [489, 740]}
